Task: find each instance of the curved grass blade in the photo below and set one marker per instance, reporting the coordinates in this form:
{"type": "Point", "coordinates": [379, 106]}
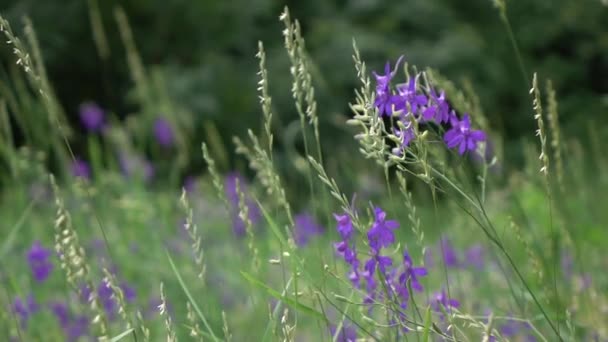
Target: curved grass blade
{"type": "Point", "coordinates": [121, 336]}
{"type": "Point", "coordinates": [12, 235]}
{"type": "Point", "coordinates": [190, 298]}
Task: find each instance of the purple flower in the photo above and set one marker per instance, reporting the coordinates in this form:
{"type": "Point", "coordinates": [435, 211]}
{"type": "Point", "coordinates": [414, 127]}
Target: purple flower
{"type": "Point", "coordinates": [92, 117]}
{"type": "Point", "coordinates": [379, 261]}
{"type": "Point", "coordinates": [405, 136]}
{"type": "Point", "coordinates": [437, 108]}
{"type": "Point", "coordinates": [450, 258]}
{"type": "Point", "coordinates": [61, 311]}
{"type": "Point", "coordinates": [305, 228]}
{"type": "Point", "coordinates": [77, 328]}
{"type": "Point", "coordinates": [345, 229]}
{"type": "Point", "coordinates": [462, 136]}
{"type": "Point", "coordinates": [347, 333]}
{"type": "Point", "coordinates": [345, 226]}
{"type": "Point", "coordinates": [106, 296]}
{"type": "Point", "coordinates": [24, 310]}
{"type": "Point", "coordinates": [475, 256]}
{"type": "Point", "coordinates": [411, 273]}
{"type": "Point", "coordinates": [384, 98]}
{"type": "Point", "coordinates": [136, 166]}
{"type": "Point", "coordinates": [230, 181]}
{"type": "Point", "coordinates": [40, 264]}
{"type": "Point", "coordinates": [408, 95]}
{"type": "Point", "coordinates": [80, 169]}
{"type": "Point", "coordinates": [163, 132]}
{"type": "Point", "coordinates": [381, 234]}
{"type": "Point", "coordinates": [190, 184]}
{"type": "Point", "coordinates": [440, 300]}
{"type": "Point", "coordinates": [128, 292]}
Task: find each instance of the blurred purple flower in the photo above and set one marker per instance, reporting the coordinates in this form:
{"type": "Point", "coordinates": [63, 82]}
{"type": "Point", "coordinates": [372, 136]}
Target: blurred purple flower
{"type": "Point", "coordinates": [305, 228]}
{"type": "Point", "coordinates": [567, 264]}
{"type": "Point", "coordinates": [450, 257]}
{"type": "Point", "coordinates": [348, 333]}
{"type": "Point", "coordinates": [462, 136]}
{"type": "Point", "coordinates": [77, 328]}
{"type": "Point", "coordinates": [163, 132]}
{"type": "Point", "coordinates": [128, 292]}
{"type": "Point", "coordinates": [80, 169]}
{"type": "Point", "coordinates": [441, 300]}
{"type": "Point", "coordinates": [24, 310]}
{"type": "Point", "coordinates": [136, 166]}
{"type": "Point", "coordinates": [475, 256]}
{"type": "Point", "coordinates": [39, 259]}
{"type": "Point", "coordinates": [190, 184]}
{"type": "Point", "coordinates": [61, 312]}
{"type": "Point", "coordinates": [92, 117]}
{"type": "Point", "coordinates": [105, 295]}
{"type": "Point", "coordinates": [230, 182]}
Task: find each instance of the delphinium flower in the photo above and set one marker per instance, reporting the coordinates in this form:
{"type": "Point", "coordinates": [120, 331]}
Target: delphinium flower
{"type": "Point", "coordinates": [106, 297]}
{"type": "Point", "coordinates": [238, 226]}
{"type": "Point", "coordinates": [516, 328]}
{"type": "Point", "coordinates": [136, 166]}
{"type": "Point", "coordinates": [410, 273]}
{"type": "Point", "coordinates": [80, 169]}
{"type": "Point", "coordinates": [475, 256]}
{"type": "Point", "coordinates": [450, 256]}
{"type": "Point", "coordinates": [345, 247]}
{"type": "Point", "coordinates": [190, 184]}
{"type": "Point", "coordinates": [410, 100]}
{"type": "Point", "coordinates": [381, 233]}
{"type": "Point", "coordinates": [441, 302]}
{"type": "Point", "coordinates": [437, 108]}
{"type": "Point", "coordinates": [92, 117]}
{"type": "Point", "coordinates": [39, 259]}
{"type": "Point", "coordinates": [128, 292]}
{"type": "Point", "coordinates": [347, 333]}
{"type": "Point", "coordinates": [77, 327]}
{"type": "Point", "coordinates": [24, 310]}
{"type": "Point", "coordinates": [163, 132]}
{"type": "Point", "coordinates": [462, 136]}
{"type": "Point", "coordinates": [414, 102]}
{"type": "Point", "coordinates": [61, 312]}
{"type": "Point", "coordinates": [305, 228]}
{"type": "Point", "coordinates": [384, 97]}
{"type": "Point", "coordinates": [405, 134]}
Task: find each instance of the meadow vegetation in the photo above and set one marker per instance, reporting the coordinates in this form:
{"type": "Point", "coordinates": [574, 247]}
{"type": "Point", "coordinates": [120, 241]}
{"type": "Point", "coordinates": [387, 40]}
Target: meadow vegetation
{"type": "Point", "coordinates": [417, 229]}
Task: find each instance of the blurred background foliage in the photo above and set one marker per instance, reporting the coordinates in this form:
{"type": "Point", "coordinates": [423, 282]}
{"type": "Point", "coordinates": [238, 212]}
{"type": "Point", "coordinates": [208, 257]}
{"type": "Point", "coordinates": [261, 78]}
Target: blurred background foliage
{"type": "Point", "coordinates": [202, 55]}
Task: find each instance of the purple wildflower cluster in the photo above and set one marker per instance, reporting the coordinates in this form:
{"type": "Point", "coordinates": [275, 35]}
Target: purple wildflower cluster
{"type": "Point", "coordinates": [378, 268]}
{"type": "Point", "coordinates": [409, 102]}
{"type": "Point", "coordinates": [163, 132]}
{"type": "Point", "coordinates": [23, 310]}
{"type": "Point", "coordinates": [74, 326]}
{"type": "Point", "coordinates": [238, 225]}
{"type": "Point", "coordinates": [38, 258]}
{"type": "Point", "coordinates": [92, 117]}
{"type": "Point", "coordinates": [305, 228]}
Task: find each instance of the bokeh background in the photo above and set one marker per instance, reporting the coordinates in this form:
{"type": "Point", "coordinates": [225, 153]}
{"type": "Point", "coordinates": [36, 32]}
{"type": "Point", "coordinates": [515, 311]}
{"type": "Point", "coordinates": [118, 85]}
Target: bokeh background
{"type": "Point", "coordinates": [202, 52]}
